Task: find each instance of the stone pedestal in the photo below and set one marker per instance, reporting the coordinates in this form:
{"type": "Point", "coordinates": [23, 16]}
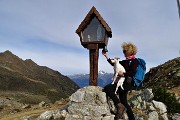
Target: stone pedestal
{"type": "Point", "coordinates": [88, 103]}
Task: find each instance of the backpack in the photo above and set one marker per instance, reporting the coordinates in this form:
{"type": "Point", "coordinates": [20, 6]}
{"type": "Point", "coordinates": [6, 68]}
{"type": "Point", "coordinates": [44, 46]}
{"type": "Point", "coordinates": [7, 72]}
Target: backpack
{"type": "Point", "coordinates": [140, 73]}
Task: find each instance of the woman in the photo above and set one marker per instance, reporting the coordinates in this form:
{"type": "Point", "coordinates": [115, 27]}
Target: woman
{"type": "Point", "coordinates": [130, 64]}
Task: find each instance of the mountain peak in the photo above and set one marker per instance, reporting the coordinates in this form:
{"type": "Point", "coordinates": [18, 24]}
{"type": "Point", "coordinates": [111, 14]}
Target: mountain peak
{"type": "Point", "coordinates": [8, 56]}
{"type": "Point", "coordinates": [29, 61]}
{"type": "Point", "coordinates": [101, 72]}
{"type": "Point", "coordinates": [7, 52]}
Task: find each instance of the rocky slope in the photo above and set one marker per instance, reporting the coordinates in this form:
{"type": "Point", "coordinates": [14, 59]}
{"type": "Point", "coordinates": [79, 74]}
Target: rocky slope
{"type": "Point", "coordinates": [166, 75]}
{"type": "Point", "coordinates": [28, 82]}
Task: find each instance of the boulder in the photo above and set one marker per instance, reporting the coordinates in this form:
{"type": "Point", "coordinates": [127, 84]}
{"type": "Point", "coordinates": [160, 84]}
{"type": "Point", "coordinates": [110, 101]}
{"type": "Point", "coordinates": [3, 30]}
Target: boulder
{"type": "Point", "coordinates": [89, 103]}
{"type": "Point", "coordinates": [160, 106]}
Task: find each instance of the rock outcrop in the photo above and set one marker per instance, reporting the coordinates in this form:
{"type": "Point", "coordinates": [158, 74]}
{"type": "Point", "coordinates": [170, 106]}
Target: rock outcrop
{"type": "Point", "coordinates": [145, 108]}
{"type": "Point", "coordinates": [90, 103]}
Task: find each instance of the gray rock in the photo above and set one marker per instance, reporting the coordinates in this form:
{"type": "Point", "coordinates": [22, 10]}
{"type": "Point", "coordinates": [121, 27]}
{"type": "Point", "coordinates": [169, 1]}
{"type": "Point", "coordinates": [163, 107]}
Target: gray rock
{"type": "Point", "coordinates": [136, 100]}
{"type": "Point", "coordinates": [153, 116]}
{"type": "Point", "coordinates": [160, 106]}
{"type": "Point", "coordinates": [77, 96]}
{"type": "Point", "coordinates": [26, 106]}
{"type": "Point", "coordinates": [164, 116]}
{"type": "Point", "coordinates": [176, 116]}
{"type": "Point", "coordinates": [150, 107]}
{"type": "Point", "coordinates": [88, 102]}
{"type": "Point", "coordinates": [42, 104]}
{"type": "Point", "coordinates": [46, 115]}
{"type": "Point", "coordinates": [26, 118]}
{"type": "Point", "coordinates": [147, 95]}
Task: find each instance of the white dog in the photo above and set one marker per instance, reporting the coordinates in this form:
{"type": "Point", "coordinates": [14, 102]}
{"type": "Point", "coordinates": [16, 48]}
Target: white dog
{"type": "Point", "coordinates": [118, 68]}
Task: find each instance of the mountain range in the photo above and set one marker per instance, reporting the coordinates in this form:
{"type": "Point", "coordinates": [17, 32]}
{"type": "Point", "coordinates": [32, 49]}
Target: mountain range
{"type": "Point", "coordinates": [83, 79]}
{"type": "Point", "coordinates": [29, 82]}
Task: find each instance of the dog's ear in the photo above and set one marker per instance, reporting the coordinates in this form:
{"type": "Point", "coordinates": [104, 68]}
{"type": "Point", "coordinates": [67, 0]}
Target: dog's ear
{"type": "Point", "coordinates": [113, 60]}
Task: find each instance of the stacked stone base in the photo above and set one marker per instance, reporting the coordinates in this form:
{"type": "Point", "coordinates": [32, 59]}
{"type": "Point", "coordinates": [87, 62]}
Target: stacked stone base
{"type": "Point", "coordinates": [89, 103]}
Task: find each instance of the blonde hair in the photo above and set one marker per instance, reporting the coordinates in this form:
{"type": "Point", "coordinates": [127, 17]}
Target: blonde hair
{"type": "Point", "coordinates": [129, 47]}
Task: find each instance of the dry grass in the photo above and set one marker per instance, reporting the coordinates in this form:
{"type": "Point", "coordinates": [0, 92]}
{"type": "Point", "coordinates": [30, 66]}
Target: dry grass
{"type": "Point", "coordinates": [140, 113]}
{"type": "Point", "coordinates": [25, 97]}
{"type": "Point", "coordinates": [175, 90]}
{"type": "Point", "coordinates": [20, 115]}
{"type": "Point", "coordinates": [33, 112]}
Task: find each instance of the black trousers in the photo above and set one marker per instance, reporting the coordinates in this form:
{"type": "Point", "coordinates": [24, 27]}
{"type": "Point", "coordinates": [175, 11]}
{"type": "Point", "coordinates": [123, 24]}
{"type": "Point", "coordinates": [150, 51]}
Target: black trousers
{"type": "Point", "coordinates": [110, 91]}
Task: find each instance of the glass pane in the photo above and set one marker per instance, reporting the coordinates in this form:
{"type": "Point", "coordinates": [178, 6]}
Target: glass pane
{"type": "Point", "coordinates": [94, 31]}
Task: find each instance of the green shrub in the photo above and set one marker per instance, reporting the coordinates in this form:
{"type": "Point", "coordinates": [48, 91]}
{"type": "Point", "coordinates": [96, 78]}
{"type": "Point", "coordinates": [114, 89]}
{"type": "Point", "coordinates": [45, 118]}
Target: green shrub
{"type": "Point", "coordinates": [169, 99]}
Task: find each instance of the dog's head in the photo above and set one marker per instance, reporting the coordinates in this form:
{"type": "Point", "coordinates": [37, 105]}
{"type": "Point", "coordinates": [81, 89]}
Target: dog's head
{"type": "Point", "coordinates": [114, 60]}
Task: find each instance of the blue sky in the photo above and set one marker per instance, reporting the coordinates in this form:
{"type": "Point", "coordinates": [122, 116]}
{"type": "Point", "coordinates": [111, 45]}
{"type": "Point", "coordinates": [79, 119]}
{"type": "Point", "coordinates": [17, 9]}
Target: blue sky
{"type": "Point", "coordinates": [44, 31]}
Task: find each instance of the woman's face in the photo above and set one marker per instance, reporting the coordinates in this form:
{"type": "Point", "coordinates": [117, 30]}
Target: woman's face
{"type": "Point", "coordinates": [126, 53]}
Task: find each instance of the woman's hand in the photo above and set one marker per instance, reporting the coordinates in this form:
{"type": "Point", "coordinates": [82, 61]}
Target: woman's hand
{"type": "Point", "coordinates": [120, 74]}
{"type": "Point", "coordinates": [104, 53]}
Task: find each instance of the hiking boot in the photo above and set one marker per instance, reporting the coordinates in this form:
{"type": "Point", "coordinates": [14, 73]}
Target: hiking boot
{"type": "Point", "coordinates": [120, 110]}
